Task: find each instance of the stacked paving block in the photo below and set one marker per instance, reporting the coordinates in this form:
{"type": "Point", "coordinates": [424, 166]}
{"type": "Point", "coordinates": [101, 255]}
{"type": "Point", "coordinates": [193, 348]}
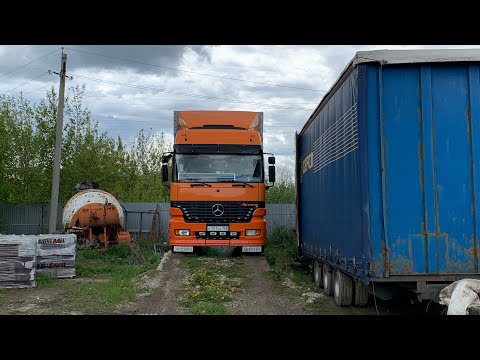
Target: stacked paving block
{"type": "Point", "coordinates": [18, 256]}
{"type": "Point", "coordinates": [56, 254]}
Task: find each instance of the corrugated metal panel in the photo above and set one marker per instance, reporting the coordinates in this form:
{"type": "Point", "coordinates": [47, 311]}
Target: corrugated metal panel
{"type": "Point", "coordinates": [140, 222]}
{"type": "Point", "coordinates": [26, 219]}
{"type": "Point", "coordinates": [280, 214]}
{"type": "Point", "coordinates": [29, 219]}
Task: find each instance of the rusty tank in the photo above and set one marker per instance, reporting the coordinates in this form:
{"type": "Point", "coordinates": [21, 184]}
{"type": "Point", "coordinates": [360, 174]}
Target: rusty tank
{"type": "Point", "coordinates": [96, 217]}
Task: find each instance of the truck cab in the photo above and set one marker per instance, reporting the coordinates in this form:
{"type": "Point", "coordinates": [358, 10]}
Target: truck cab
{"type": "Point", "coordinates": [217, 189]}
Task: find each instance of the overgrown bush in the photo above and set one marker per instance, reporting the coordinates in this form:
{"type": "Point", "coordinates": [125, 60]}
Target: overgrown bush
{"type": "Point", "coordinates": [281, 248]}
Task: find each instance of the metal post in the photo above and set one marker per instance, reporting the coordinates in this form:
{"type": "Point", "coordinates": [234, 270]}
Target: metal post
{"type": "Point", "coordinates": [58, 148]}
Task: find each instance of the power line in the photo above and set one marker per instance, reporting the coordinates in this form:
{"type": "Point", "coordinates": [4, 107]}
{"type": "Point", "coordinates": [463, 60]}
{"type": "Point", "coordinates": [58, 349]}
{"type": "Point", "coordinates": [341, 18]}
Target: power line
{"type": "Point", "coordinates": [44, 86]}
{"type": "Point", "coordinates": [174, 99]}
{"type": "Point", "coordinates": [187, 94]}
{"type": "Point", "coordinates": [36, 77]}
{"type": "Point", "coordinates": [193, 72]}
{"type": "Point", "coordinates": [165, 99]}
{"type": "Point", "coordinates": [20, 67]}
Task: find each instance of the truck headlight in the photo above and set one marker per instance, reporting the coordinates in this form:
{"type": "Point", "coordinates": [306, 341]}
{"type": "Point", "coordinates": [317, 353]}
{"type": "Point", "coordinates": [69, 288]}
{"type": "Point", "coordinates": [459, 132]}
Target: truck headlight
{"type": "Point", "coordinates": [182, 232]}
{"type": "Point", "coordinates": [251, 232]}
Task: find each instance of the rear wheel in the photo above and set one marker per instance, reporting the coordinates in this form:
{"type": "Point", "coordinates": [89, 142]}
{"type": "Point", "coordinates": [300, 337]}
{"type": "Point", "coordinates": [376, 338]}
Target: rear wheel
{"type": "Point", "coordinates": [327, 279]}
{"type": "Point", "coordinates": [317, 274]}
{"type": "Point", "coordinates": [361, 294]}
{"type": "Point", "coordinates": [343, 289]}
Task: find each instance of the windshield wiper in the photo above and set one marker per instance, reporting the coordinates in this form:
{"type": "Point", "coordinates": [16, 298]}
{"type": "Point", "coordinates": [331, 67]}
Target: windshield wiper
{"type": "Point", "coordinates": [199, 183]}
{"type": "Point", "coordinates": [241, 183]}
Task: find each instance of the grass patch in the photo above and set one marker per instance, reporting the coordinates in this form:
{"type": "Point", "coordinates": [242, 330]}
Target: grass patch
{"type": "Point", "coordinates": [213, 282]}
{"type": "Point", "coordinates": [206, 308]}
{"type": "Point", "coordinates": [44, 280]}
{"type": "Point", "coordinates": [280, 252]}
{"type": "Point", "coordinates": [281, 249]}
{"type": "Point", "coordinates": [104, 278]}
{"type": "Point", "coordinates": [101, 296]}
{"type": "Point", "coordinates": [1, 296]}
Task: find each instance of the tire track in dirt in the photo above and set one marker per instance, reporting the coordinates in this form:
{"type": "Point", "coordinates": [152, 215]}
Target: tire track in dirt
{"type": "Point", "coordinates": [168, 288]}
{"type": "Point", "coordinates": [260, 296]}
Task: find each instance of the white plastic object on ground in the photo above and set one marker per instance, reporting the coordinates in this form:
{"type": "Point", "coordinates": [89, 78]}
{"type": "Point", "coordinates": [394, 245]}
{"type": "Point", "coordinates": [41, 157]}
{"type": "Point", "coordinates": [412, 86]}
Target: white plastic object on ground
{"type": "Point", "coordinates": [459, 295]}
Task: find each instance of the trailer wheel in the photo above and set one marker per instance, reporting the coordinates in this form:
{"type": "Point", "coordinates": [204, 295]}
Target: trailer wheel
{"type": "Point", "coordinates": [317, 274]}
{"type": "Point", "coordinates": [361, 294]}
{"type": "Point", "coordinates": [327, 279]}
{"type": "Point", "coordinates": [343, 289]}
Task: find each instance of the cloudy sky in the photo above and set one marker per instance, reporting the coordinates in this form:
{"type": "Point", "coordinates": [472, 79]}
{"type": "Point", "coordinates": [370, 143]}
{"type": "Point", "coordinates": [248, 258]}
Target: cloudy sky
{"type": "Point", "coordinates": [133, 87]}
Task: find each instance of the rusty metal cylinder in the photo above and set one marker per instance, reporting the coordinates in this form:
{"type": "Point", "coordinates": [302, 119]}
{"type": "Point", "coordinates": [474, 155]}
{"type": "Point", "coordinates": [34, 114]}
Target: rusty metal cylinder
{"type": "Point", "coordinates": [93, 215]}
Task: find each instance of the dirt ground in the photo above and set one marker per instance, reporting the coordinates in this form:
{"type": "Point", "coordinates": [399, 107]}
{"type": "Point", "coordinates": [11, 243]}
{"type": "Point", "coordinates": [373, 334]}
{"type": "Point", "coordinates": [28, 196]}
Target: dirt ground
{"type": "Point", "coordinates": [262, 296]}
{"type": "Point", "coordinates": [164, 288]}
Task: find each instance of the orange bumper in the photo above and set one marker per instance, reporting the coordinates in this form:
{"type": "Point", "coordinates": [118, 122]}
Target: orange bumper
{"type": "Point", "coordinates": [177, 222]}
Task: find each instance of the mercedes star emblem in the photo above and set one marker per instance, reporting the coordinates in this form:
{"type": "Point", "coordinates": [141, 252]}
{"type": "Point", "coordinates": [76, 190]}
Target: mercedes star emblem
{"type": "Point", "coordinates": [218, 209]}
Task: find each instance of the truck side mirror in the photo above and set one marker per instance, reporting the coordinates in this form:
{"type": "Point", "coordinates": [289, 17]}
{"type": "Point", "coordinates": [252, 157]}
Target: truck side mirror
{"type": "Point", "coordinates": [164, 173]}
{"type": "Point", "coordinates": [271, 172]}
{"type": "Point", "coordinates": [271, 160]}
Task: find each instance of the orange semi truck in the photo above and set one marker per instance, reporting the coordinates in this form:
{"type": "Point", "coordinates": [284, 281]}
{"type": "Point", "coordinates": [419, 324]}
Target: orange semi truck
{"type": "Point", "coordinates": [217, 189]}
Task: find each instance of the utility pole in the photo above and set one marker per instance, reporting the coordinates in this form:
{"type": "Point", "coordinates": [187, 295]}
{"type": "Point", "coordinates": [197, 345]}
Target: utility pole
{"type": "Point", "coordinates": [58, 148]}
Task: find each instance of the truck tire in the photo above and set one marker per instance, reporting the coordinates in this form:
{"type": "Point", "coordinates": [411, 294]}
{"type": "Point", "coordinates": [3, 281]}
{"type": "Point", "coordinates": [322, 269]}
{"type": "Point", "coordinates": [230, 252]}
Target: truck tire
{"type": "Point", "coordinates": [343, 289]}
{"type": "Point", "coordinates": [361, 294]}
{"type": "Point", "coordinates": [317, 274]}
{"type": "Point", "coordinates": [327, 279]}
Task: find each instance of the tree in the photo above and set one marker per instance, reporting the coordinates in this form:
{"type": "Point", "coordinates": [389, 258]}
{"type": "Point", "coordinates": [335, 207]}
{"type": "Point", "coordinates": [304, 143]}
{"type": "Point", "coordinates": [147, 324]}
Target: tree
{"type": "Point", "coordinates": [283, 192]}
{"type": "Point", "coordinates": [146, 153]}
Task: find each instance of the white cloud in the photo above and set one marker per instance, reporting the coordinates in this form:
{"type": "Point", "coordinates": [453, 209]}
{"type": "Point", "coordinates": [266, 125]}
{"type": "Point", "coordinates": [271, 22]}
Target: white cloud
{"type": "Point", "coordinates": [156, 92]}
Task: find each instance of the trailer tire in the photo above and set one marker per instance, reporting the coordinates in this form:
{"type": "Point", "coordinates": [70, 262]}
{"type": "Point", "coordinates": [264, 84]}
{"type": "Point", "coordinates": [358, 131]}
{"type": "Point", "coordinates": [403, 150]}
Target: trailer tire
{"type": "Point", "coordinates": [343, 289]}
{"type": "Point", "coordinates": [361, 294]}
{"type": "Point", "coordinates": [317, 274]}
{"type": "Point", "coordinates": [327, 279]}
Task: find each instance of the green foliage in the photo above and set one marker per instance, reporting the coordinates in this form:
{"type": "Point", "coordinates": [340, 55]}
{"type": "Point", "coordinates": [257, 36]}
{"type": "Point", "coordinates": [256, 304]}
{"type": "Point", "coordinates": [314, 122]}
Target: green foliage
{"type": "Point", "coordinates": [105, 279]}
{"type": "Point", "coordinates": [91, 262]}
{"type": "Point", "coordinates": [27, 144]}
{"type": "Point", "coordinates": [44, 280]}
{"type": "Point", "coordinates": [214, 281]}
{"type": "Point", "coordinates": [206, 308]}
{"type": "Point", "coordinates": [283, 192]}
{"type": "Point", "coordinates": [281, 249]}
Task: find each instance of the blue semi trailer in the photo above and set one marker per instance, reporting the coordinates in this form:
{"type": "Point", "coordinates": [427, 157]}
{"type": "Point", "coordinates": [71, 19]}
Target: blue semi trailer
{"type": "Point", "coordinates": [387, 174]}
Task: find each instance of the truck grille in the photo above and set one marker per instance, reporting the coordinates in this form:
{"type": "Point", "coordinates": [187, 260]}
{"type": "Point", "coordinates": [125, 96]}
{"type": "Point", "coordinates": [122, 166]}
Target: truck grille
{"type": "Point", "coordinates": [227, 212]}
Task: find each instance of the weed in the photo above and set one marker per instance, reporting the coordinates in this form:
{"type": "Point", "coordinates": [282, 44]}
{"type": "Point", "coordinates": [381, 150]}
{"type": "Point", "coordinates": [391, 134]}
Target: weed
{"type": "Point", "coordinates": [205, 308]}
{"type": "Point", "coordinates": [281, 248]}
{"type": "Point", "coordinates": [104, 279]}
{"type": "Point", "coordinates": [214, 281]}
{"type": "Point", "coordinates": [44, 280]}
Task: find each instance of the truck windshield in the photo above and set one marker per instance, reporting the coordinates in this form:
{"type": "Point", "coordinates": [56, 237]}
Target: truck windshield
{"type": "Point", "coordinates": [218, 168]}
